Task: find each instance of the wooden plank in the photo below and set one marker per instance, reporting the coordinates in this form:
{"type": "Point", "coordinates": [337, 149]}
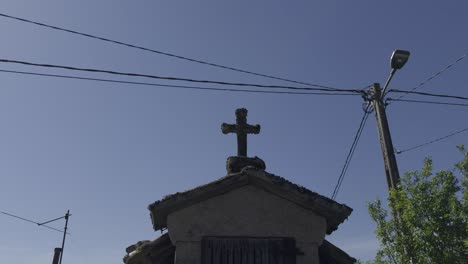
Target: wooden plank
{"type": "Point", "coordinates": [243, 250]}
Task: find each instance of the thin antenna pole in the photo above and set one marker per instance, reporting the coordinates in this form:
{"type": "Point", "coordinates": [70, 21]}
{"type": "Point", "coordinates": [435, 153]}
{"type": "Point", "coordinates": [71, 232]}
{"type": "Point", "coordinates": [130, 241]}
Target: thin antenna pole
{"type": "Point", "coordinates": [64, 234]}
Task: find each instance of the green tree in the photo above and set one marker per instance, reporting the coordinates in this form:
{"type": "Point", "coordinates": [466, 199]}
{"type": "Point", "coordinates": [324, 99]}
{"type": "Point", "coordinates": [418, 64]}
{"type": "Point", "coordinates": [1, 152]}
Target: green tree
{"type": "Point", "coordinates": [432, 222]}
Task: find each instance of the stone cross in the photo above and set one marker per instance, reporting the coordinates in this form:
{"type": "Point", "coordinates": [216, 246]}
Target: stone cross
{"type": "Point", "coordinates": [241, 128]}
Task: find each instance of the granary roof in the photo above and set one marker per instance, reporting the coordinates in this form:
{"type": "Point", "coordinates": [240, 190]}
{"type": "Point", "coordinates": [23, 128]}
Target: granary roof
{"type": "Point", "coordinates": [329, 253]}
{"type": "Point", "coordinates": [334, 213]}
{"type": "Point", "coordinates": [159, 251]}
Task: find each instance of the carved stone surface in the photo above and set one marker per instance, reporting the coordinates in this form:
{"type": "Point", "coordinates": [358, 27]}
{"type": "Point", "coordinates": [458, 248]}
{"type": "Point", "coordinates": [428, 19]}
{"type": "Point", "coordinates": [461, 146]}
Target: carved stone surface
{"type": "Point", "coordinates": [241, 128]}
{"type": "Point", "coordinates": [237, 163]}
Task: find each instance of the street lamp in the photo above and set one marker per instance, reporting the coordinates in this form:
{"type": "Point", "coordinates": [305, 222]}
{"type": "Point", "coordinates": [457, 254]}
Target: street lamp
{"type": "Point", "coordinates": [397, 61]}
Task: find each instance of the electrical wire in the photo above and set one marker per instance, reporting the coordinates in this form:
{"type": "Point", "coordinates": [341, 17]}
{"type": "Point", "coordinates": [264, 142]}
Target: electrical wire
{"type": "Point", "coordinates": [159, 52]}
{"type": "Point", "coordinates": [53, 220]}
{"type": "Point", "coordinates": [432, 141]}
{"type": "Point", "coordinates": [426, 102]}
{"type": "Point", "coordinates": [71, 68]}
{"type": "Point", "coordinates": [350, 156]}
{"type": "Point", "coordinates": [430, 78]}
{"type": "Point", "coordinates": [351, 152]}
{"type": "Point", "coordinates": [173, 86]}
{"type": "Point", "coordinates": [428, 94]}
{"type": "Point", "coordinates": [27, 220]}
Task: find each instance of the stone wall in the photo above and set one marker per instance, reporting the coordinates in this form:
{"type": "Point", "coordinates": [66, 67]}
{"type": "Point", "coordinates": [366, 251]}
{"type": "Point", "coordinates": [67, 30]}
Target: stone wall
{"type": "Point", "coordinates": [248, 211]}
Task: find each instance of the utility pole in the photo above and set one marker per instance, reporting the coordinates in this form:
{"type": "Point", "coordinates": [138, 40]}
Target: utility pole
{"type": "Point", "coordinates": [391, 167]}
{"type": "Point", "coordinates": [58, 252]}
{"type": "Point", "coordinates": [67, 215]}
{"type": "Point", "coordinates": [377, 95]}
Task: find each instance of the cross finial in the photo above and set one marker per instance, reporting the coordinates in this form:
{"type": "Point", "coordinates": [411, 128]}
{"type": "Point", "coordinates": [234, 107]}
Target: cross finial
{"type": "Point", "coordinates": [241, 128]}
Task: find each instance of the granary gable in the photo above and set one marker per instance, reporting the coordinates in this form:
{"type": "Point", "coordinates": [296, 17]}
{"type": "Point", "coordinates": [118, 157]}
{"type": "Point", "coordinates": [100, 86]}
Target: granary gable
{"type": "Point", "coordinates": [333, 212]}
{"type": "Point", "coordinates": [249, 216]}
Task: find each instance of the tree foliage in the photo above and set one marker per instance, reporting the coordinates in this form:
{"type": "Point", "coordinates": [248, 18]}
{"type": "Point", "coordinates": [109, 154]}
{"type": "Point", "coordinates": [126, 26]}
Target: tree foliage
{"type": "Point", "coordinates": [428, 222]}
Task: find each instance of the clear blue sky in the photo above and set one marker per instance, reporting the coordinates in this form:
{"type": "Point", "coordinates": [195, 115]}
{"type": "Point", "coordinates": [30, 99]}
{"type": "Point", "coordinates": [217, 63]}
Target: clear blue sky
{"type": "Point", "coordinates": [106, 151]}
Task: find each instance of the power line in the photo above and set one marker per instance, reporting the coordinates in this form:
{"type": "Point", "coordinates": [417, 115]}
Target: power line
{"type": "Point", "coordinates": [428, 94]}
{"type": "Point", "coordinates": [426, 102]}
{"type": "Point", "coordinates": [173, 86]}
{"type": "Point", "coordinates": [177, 78]}
{"type": "Point", "coordinates": [432, 141]}
{"type": "Point", "coordinates": [351, 152]}
{"type": "Point", "coordinates": [436, 74]}
{"type": "Point", "coordinates": [350, 155]}
{"type": "Point", "coordinates": [27, 220]}
{"type": "Point", "coordinates": [160, 52]}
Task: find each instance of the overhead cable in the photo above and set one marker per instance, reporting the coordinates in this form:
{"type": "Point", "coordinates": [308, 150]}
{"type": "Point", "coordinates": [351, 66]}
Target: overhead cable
{"type": "Point", "coordinates": [27, 220]}
{"type": "Point", "coordinates": [351, 152]}
{"type": "Point", "coordinates": [426, 102]}
{"type": "Point", "coordinates": [430, 78]}
{"type": "Point", "coordinates": [174, 86]}
{"type": "Point", "coordinates": [159, 52]}
{"type": "Point", "coordinates": [432, 141]}
{"type": "Point", "coordinates": [429, 94]}
{"type": "Point", "coordinates": [176, 78]}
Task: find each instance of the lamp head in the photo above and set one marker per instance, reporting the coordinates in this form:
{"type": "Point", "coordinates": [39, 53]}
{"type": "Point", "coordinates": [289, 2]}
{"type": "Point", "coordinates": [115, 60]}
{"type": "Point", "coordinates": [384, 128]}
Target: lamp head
{"type": "Point", "coordinates": [399, 59]}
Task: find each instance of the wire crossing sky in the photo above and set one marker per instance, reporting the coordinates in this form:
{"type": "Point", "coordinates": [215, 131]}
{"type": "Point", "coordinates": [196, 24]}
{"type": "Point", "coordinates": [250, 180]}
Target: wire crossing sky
{"type": "Point", "coordinates": [72, 68]}
{"type": "Point", "coordinates": [173, 86]}
{"type": "Point", "coordinates": [435, 75]}
{"type": "Point", "coordinates": [426, 102]}
{"type": "Point", "coordinates": [156, 51]}
{"type": "Point", "coordinates": [27, 220]}
{"type": "Point", "coordinates": [105, 146]}
{"type": "Point", "coordinates": [354, 145]}
{"type": "Point", "coordinates": [430, 94]}
{"type": "Point", "coordinates": [431, 142]}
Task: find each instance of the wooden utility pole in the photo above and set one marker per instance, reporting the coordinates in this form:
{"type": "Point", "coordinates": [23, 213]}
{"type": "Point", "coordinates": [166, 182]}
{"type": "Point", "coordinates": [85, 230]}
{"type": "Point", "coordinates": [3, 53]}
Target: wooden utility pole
{"type": "Point", "coordinates": [67, 215]}
{"type": "Point", "coordinates": [391, 167]}
{"type": "Point", "coordinates": [388, 152]}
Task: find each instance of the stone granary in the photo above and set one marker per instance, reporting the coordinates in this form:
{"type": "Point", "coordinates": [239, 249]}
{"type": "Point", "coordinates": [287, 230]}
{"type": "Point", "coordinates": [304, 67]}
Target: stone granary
{"type": "Point", "coordinates": [247, 217]}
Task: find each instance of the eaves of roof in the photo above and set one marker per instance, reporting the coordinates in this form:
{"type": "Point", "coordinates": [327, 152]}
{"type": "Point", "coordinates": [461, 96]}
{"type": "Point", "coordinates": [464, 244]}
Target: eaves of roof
{"type": "Point", "coordinates": [334, 213]}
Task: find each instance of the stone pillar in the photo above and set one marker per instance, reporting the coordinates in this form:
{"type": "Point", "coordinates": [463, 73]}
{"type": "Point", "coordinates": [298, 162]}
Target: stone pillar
{"type": "Point", "coordinates": [188, 252]}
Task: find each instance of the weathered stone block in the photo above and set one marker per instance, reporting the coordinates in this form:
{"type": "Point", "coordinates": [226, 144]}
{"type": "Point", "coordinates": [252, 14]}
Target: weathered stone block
{"type": "Point", "coordinates": [236, 164]}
